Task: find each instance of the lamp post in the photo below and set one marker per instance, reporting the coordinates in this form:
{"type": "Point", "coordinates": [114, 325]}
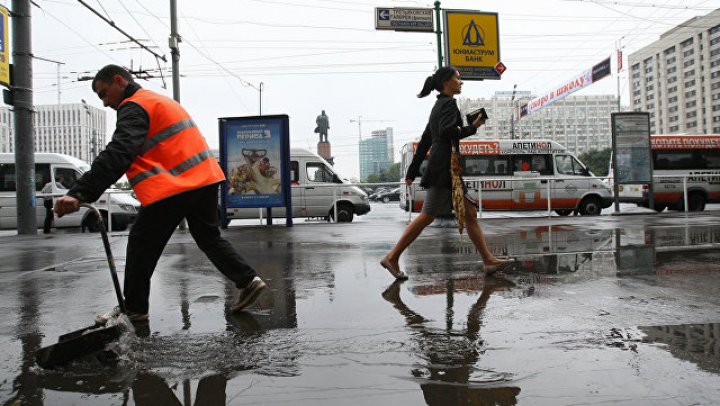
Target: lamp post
{"type": "Point", "coordinates": [512, 113]}
{"type": "Point", "coordinates": [92, 141]}
{"type": "Point", "coordinates": [261, 90]}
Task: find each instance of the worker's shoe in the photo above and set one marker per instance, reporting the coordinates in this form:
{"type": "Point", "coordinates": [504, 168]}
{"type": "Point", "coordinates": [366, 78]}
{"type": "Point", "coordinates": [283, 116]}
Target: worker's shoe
{"type": "Point", "coordinates": [249, 294]}
{"type": "Point", "coordinates": [115, 312]}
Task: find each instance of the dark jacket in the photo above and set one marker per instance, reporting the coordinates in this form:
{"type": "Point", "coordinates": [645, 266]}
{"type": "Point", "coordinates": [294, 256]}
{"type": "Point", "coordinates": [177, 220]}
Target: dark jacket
{"type": "Point", "coordinates": [444, 130]}
{"type": "Point", "coordinates": [131, 129]}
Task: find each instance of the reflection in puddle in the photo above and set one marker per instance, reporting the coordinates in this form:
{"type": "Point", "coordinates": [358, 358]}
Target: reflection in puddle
{"type": "Point", "coordinates": [451, 374]}
{"type": "Point", "coordinates": [697, 343]}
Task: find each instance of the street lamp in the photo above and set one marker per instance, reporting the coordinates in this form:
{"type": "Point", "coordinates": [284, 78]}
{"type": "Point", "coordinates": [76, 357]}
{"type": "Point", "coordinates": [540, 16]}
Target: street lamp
{"type": "Point", "coordinates": [512, 113]}
{"type": "Point", "coordinates": [91, 133]}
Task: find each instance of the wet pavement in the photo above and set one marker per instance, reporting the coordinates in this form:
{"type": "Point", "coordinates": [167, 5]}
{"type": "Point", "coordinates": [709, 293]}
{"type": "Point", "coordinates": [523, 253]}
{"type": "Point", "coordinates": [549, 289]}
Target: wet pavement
{"type": "Point", "coordinates": [607, 310]}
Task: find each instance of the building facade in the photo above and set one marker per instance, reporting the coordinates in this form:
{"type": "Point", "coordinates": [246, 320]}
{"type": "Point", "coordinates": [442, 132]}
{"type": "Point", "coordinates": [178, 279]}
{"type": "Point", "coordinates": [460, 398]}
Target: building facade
{"type": "Point", "coordinates": [580, 123]}
{"type": "Point", "coordinates": [75, 129]}
{"type": "Point", "coordinates": [677, 78]}
{"type": "Point", "coordinates": [376, 153]}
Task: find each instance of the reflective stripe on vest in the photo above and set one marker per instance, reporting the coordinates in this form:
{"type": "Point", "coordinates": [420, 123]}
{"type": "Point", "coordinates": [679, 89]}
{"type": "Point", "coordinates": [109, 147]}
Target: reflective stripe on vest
{"type": "Point", "coordinates": [166, 133]}
{"type": "Point", "coordinates": [184, 166]}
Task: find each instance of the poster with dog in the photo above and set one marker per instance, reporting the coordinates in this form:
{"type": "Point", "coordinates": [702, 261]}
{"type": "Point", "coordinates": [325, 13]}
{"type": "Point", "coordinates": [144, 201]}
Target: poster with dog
{"type": "Point", "coordinates": [253, 152]}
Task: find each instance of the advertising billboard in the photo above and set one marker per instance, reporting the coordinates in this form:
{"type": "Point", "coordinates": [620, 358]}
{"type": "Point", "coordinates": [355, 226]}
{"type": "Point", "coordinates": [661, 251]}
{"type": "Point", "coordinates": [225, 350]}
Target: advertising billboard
{"type": "Point", "coordinates": [255, 155]}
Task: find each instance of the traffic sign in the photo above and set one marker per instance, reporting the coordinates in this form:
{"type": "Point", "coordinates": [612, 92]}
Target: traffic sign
{"type": "Point", "coordinates": [500, 68]}
{"type": "Point", "coordinates": [472, 43]}
{"type": "Point", "coordinates": [404, 19]}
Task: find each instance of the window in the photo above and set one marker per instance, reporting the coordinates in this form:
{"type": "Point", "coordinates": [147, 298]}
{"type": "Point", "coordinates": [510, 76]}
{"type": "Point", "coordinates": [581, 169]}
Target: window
{"type": "Point", "coordinates": [317, 172]}
{"type": "Point", "coordinates": [687, 43]}
{"type": "Point", "coordinates": [486, 165]}
{"type": "Point", "coordinates": [567, 165]}
{"type": "Point", "coordinates": [7, 178]}
{"type": "Point", "coordinates": [688, 52]}
{"type": "Point", "coordinates": [689, 63]}
{"type": "Point", "coordinates": [669, 50]}
{"type": "Point", "coordinates": [689, 73]}
{"type": "Point", "coordinates": [66, 176]}
{"type": "Point", "coordinates": [690, 83]}
{"type": "Point", "coordinates": [294, 172]}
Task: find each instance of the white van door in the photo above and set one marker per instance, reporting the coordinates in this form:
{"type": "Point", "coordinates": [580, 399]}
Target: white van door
{"type": "Point", "coordinates": [319, 200]}
{"type": "Point", "coordinates": [529, 192]}
{"type": "Point", "coordinates": [567, 192]}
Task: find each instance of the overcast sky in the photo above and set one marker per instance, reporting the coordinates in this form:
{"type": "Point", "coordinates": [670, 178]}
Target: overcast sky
{"type": "Point", "coordinates": [313, 55]}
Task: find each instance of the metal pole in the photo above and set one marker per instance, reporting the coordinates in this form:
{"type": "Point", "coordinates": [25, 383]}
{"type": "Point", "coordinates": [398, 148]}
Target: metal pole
{"type": "Point", "coordinates": [512, 113]}
{"type": "Point", "coordinates": [549, 189]}
{"type": "Point", "coordinates": [438, 31]}
{"type": "Point", "coordinates": [23, 116]}
{"type": "Point", "coordinates": [175, 50]}
{"type": "Point", "coordinates": [174, 43]}
{"type": "Point", "coordinates": [261, 90]}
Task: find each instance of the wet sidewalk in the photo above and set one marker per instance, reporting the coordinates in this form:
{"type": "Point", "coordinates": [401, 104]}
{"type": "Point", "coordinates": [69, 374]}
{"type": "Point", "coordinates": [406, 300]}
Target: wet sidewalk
{"type": "Point", "coordinates": [606, 310]}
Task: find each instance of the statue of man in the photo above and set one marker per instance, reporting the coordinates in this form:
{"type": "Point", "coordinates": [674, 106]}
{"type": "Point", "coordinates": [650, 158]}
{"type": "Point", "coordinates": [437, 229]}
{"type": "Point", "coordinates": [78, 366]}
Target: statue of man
{"type": "Point", "coordinates": [323, 124]}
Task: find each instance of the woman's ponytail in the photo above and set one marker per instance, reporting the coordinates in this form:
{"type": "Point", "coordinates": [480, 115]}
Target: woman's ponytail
{"type": "Point", "coordinates": [427, 87]}
{"type": "Point", "coordinates": [436, 81]}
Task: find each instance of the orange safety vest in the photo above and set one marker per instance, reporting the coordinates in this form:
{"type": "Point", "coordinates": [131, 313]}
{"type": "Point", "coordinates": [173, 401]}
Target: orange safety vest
{"type": "Point", "coordinates": [175, 157]}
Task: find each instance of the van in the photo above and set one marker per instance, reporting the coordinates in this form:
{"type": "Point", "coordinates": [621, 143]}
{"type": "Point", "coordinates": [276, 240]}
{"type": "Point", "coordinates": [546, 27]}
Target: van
{"type": "Point", "coordinates": [49, 166]}
{"type": "Point", "coordinates": [518, 174]}
{"type": "Point", "coordinates": [311, 177]}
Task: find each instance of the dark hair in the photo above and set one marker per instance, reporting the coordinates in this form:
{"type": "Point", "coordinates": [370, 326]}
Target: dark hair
{"type": "Point", "coordinates": [435, 82]}
{"type": "Point", "coordinates": [107, 74]}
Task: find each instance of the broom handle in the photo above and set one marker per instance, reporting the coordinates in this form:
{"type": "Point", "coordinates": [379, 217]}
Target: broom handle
{"type": "Point", "coordinates": [108, 252]}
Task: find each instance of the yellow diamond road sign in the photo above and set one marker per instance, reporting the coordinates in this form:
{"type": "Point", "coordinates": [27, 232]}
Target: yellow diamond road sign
{"type": "Point", "coordinates": [472, 43]}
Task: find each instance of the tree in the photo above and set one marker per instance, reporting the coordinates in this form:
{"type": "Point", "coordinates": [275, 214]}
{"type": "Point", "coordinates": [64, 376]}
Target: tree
{"type": "Point", "coordinates": [597, 161]}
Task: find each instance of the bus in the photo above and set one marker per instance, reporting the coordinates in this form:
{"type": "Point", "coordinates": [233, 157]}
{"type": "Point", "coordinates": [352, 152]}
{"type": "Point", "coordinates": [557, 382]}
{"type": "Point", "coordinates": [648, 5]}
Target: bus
{"type": "Point", "coordinates": [684, 155]}
{"type": "Point", "coordinates": [514, 175]}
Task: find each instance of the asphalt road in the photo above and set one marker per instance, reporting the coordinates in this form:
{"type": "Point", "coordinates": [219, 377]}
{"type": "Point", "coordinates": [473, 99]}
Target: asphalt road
{"type": "Point", "coordinates": [596, 310]}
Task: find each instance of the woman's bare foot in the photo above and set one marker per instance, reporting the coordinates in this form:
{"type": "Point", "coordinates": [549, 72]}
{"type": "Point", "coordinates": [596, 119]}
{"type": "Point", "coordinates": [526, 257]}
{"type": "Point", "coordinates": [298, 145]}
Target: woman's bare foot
{"type": "Point", "coordinates": [393, 268]}
{"type": "Point", "coordinates": [497, 261]}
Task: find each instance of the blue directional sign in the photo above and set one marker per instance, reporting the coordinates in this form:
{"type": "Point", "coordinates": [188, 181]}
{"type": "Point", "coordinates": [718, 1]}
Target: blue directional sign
{"type": "Point", "coordinates": [404, 19]}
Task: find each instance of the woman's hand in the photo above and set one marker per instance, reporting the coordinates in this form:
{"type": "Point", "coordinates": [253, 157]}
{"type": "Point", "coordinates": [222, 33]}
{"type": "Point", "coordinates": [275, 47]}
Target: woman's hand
{"type": "Point", "coordinates": [408, 181]}
{"type": "Point", "coordinates": [479, 121]}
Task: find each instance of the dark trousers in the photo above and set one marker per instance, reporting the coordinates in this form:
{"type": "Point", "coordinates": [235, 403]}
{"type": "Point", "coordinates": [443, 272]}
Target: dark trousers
{"type": "Point", "coordinates": [152, 230]}
{"type": "Point", "coordinates": [48, 215]}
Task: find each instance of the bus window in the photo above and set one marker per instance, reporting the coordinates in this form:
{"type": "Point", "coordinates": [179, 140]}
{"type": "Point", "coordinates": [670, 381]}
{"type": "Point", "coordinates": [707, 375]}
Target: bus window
{"type": "Point", "coordinates": [475, 166]}
{"type": "Point", "coordinates": [541, 164]}
{"type": "Point", "coordinates": [485, 165]}
{"type": "Point", "coordinates": [712, 158]}
{"type": "Point", "coordinates": [678, 159]}
{"type": "Point", "coordinates": [521, 163]}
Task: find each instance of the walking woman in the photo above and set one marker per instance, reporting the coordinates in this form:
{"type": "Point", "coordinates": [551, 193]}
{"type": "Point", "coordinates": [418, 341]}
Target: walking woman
{"type": "Point", "coordinates": [444, 130]}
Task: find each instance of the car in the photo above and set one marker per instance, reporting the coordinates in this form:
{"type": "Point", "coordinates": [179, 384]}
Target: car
{"type": "Point", "coordinates": [374, 195]}
{"type": "Point", "coordinates": [392, 195]}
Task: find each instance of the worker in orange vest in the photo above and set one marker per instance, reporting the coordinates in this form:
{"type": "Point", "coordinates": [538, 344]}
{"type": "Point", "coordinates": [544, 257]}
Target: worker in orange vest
{"type": "Point", "coordinates": [167, 162]}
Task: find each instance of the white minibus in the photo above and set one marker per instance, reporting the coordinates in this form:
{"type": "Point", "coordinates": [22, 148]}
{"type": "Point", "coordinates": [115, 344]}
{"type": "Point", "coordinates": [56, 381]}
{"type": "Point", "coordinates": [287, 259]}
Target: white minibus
{"type": "Point", "coordinates": [681, 155]}
{"type": "Point", "coordinates": [123, 207]}
{"type": "Point", "coordinates": [515, 175]}
{"type": "Point", "coordinates": [312, 195]}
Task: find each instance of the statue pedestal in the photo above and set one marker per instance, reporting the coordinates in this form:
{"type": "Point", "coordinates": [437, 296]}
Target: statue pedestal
{"type": "Point", "coordinates": [323, 149]}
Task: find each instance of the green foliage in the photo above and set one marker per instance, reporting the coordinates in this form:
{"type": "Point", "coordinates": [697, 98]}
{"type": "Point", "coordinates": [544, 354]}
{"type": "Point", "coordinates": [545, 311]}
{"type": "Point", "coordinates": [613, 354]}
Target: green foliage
{"type": "Point", "coordinates": [597, 161]}
{"type": "Point", "coordinates": [392, 174]}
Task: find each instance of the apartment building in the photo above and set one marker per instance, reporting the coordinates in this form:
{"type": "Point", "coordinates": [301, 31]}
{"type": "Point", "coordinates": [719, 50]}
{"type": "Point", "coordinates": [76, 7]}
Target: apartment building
{"type": "Point", "coordinates": [677, 78]}
{"type": "Point", "coordinates": [74, 129]}
{"type": "Point", "coordinates": [580, 123]}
